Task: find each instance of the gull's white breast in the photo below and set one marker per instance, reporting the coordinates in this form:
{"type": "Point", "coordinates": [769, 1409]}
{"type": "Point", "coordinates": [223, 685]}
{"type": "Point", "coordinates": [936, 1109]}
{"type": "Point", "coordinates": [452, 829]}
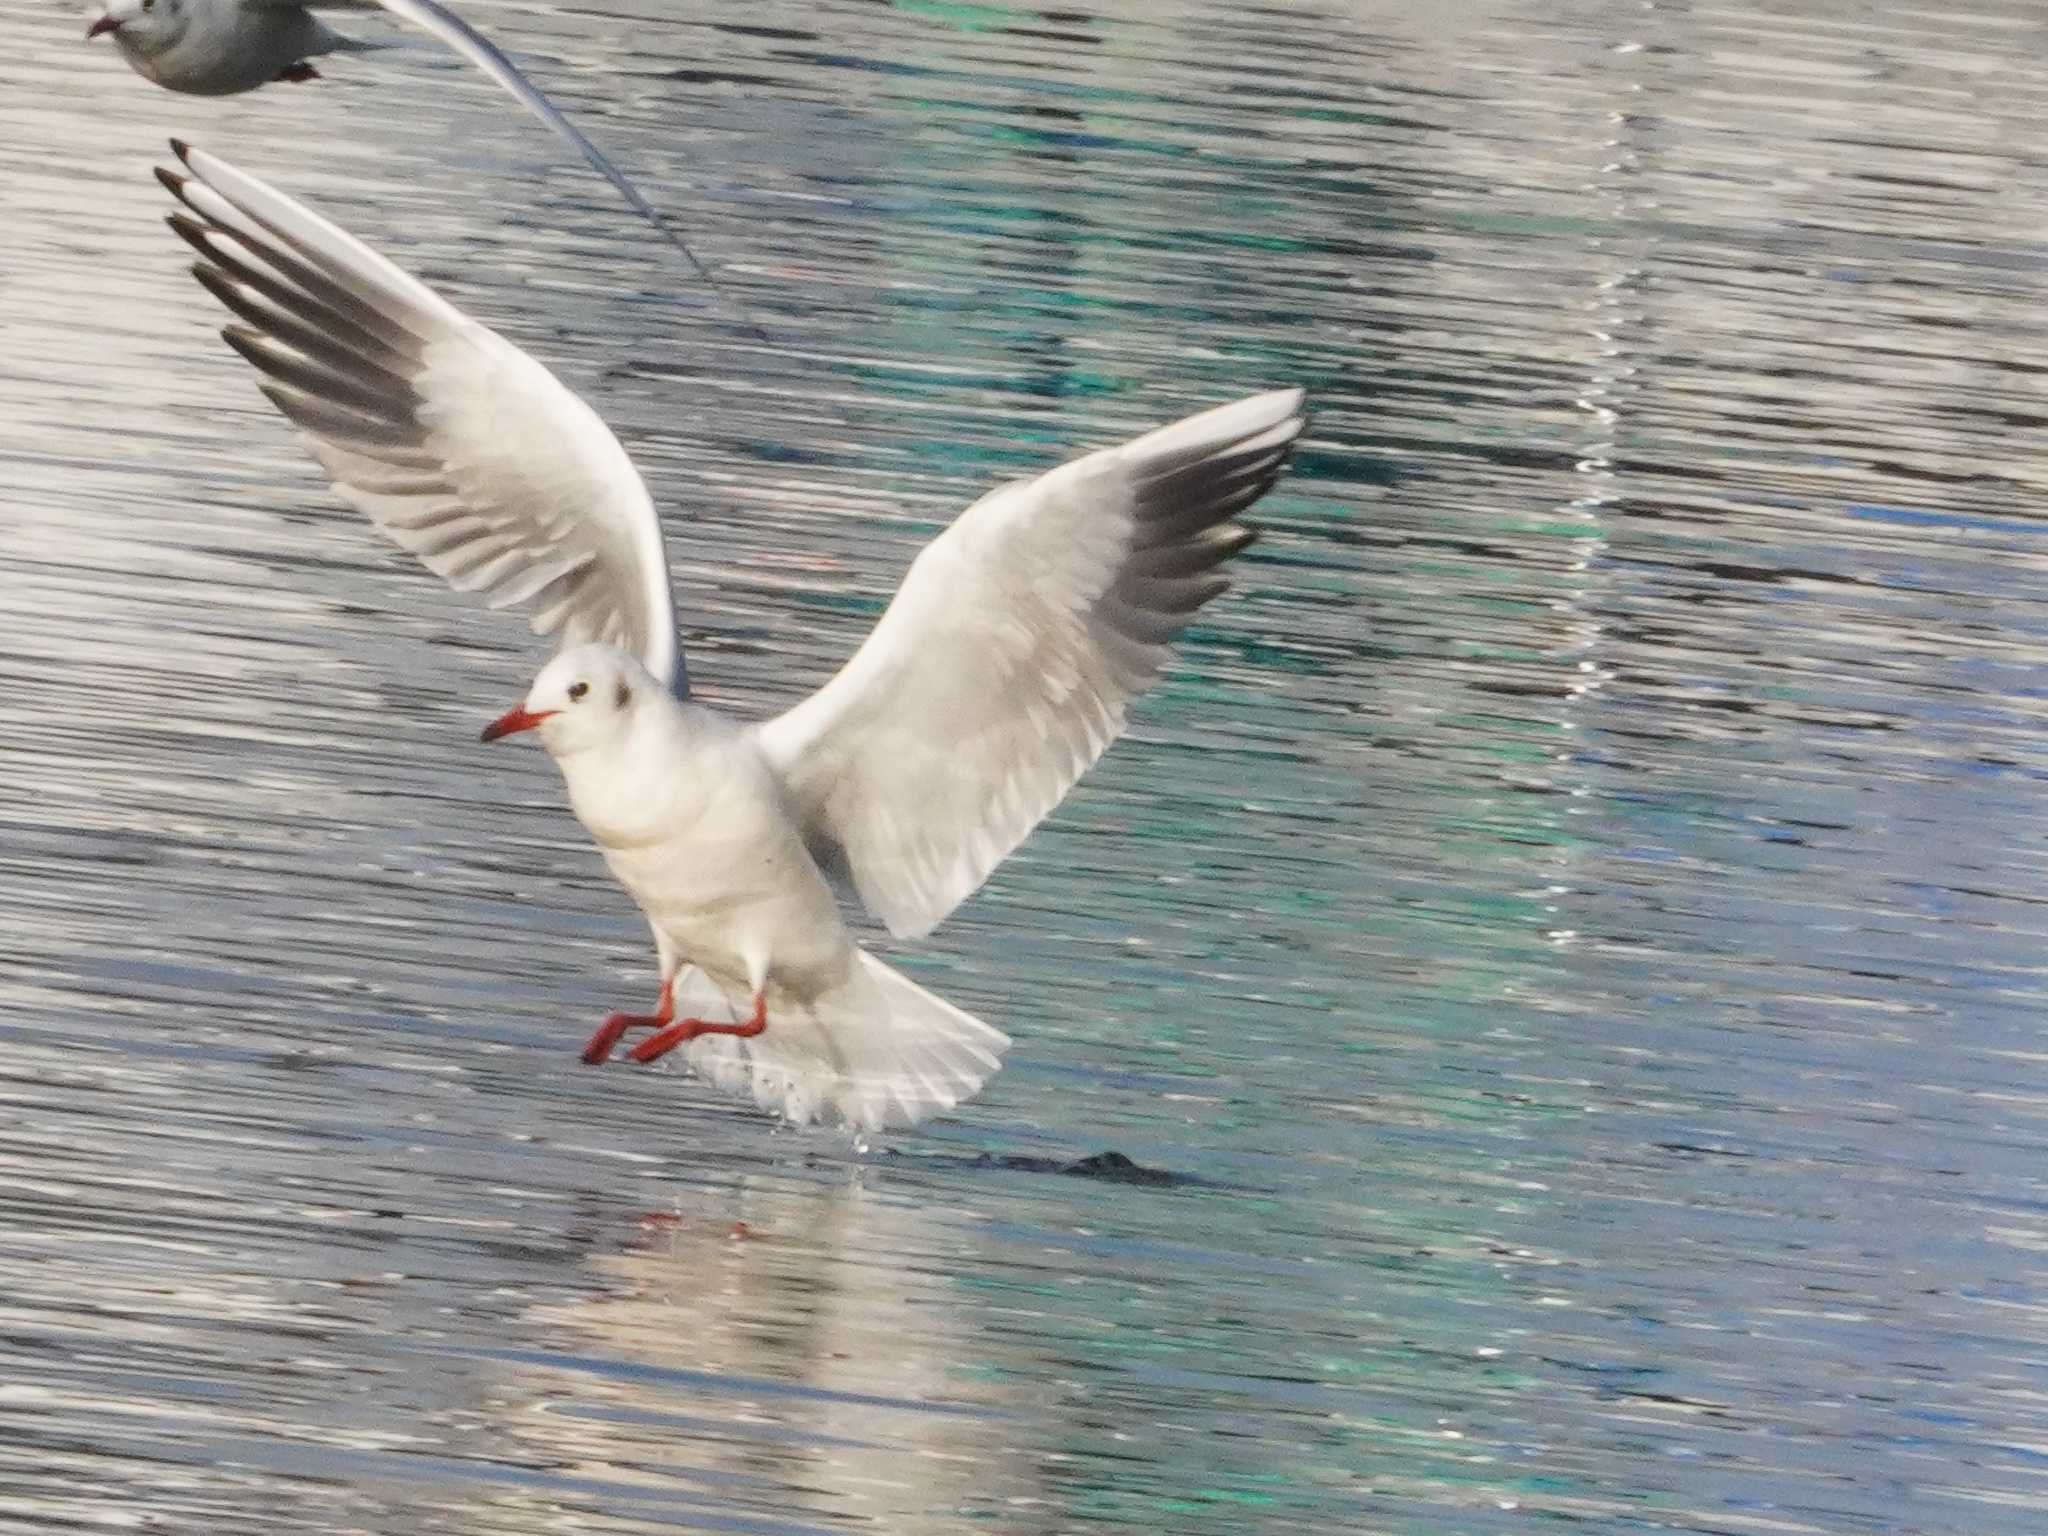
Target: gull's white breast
{"type": "Point", "coordinates": [692, 822]}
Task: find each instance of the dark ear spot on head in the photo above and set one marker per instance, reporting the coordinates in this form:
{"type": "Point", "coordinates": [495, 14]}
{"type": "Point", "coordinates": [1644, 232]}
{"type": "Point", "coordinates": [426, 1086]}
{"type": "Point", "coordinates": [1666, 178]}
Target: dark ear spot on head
{"type": "Point", "coordinates": [624, 696]}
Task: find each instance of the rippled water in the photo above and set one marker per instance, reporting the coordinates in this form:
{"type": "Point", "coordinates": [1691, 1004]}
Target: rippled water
{"type": "Point", "coordinates": [1574, 916]}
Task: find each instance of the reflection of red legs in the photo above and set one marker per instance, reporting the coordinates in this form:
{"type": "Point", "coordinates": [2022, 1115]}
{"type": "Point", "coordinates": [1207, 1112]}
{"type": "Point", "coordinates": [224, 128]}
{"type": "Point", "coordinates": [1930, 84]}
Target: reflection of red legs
{"type": "Point", "coordinates": [600, 1044]}
{"type": "Point", "coordinates": [299, 73]}
{"type": "Point", "coordinates": [661, 1043]}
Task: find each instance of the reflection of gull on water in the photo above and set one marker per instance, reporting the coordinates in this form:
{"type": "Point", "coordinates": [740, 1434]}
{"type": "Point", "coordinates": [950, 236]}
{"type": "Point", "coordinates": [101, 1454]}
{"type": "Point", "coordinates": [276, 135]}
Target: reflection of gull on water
{"type": "Point", "coordinates": [803, 1354]}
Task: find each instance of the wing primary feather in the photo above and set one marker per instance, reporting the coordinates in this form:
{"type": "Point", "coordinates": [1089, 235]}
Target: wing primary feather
{"type": "Point", "coordinates": [299, 241]}
{"type": "Point", "coordinates": [279, 362]}
{"type": "Point", "coordinates": [294, 285]}
{"type": "Point", "coordinates": [326, 344]}
{"type": "Point", "coordinates": [1177, 599]}
{"type": "Point", "coordinates": [1133, 622]}
{"type": "Point", "coordinates": [1220, 458]}
{"type": "Point", "coordinates": [1211, 480]}
{"type": "Point", "coordinates": [1190, 556]}
{"type": "Point", "coordinates": [1197, 516]}
{"type": "Point", "coordinates": [1215, 488]}
{"type": "Point", "coordinates": [378, 439]}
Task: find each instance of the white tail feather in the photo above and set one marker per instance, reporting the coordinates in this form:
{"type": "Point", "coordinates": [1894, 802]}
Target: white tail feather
{"type": "Point", "coordinates": [880, 1051]}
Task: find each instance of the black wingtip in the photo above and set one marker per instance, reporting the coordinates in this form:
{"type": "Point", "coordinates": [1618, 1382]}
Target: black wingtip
{"type": "Point", "coordinates": [214, 281]}
{"type": "Point", "coordinates": [188, 229]}
{"type": "Point", "coordinates": [182, 150]}
{"type": "Point", "coordinates": [246, 341]}
{"type": "Point", "coordinates": [173, 183]}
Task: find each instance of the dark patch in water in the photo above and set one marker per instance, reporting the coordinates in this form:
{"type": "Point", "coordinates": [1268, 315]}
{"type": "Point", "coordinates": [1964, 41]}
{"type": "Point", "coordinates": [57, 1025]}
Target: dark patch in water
{"type": "Point", "coordinates": [1111, 1167]}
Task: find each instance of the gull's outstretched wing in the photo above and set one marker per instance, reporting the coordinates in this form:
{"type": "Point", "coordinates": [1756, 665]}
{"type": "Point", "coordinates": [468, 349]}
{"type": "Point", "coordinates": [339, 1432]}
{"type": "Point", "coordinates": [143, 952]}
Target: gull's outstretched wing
{"type": "Point", "coordinates": [1004, 666]}
{"type": "Point", "coordinates": [431, 17]}
{"type": "Point", "coordinates": [453, 441]}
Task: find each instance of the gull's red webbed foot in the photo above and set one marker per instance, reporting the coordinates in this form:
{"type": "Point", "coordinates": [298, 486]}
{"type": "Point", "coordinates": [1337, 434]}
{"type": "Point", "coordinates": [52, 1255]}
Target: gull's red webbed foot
{"type": "Point", "coordinates": [299, 73]}
{"type": "Point", "coordinates": [661, 1043]}
{"type": "Point", "coordinates": [600, 1044]}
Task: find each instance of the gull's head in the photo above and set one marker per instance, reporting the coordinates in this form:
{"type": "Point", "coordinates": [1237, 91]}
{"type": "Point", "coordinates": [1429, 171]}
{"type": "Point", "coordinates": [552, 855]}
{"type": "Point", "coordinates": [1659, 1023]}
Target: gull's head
{"type": "Point", "coordinates": [584, 698]}
{"type": "Point", "coordinates": [146, 26]}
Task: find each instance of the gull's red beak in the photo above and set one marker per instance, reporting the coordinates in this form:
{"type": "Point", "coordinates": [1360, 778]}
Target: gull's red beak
{"type": "Point", "coordinates": [518, 718]}
{"type": "Point", "coordinates": [104, 24]}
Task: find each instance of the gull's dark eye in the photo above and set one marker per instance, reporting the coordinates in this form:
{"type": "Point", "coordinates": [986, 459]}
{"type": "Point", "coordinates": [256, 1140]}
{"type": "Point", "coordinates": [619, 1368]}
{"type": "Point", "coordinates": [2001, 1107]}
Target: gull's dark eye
{"type": "Point", "coordinates": [577, 690]}
{"type": "Point", "coordinates": [149, 5]}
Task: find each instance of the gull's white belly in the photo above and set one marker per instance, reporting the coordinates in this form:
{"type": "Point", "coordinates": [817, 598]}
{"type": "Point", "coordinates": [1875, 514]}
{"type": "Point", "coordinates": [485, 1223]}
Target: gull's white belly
{"type": "Point", "coordinates": [692, 822]}
{"type": "Point", "coordinates": [738, 903]}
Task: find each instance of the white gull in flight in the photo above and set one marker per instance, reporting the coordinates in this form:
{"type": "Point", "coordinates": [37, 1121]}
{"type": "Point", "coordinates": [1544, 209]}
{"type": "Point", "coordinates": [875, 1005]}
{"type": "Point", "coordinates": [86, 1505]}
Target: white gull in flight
{"type": "Point", "coordinates": [1001, 671]}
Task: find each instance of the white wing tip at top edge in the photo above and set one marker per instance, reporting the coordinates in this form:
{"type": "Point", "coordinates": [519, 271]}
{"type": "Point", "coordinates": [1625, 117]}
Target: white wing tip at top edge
{"type": "Point", "coordinates": [1278, 411]}
{"type": "Point", "coordinates": [312, 235]}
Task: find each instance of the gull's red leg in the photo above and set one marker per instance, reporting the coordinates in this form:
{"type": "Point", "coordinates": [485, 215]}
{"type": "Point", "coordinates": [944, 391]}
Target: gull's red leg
{"type": "Point", "coordinates": [600, 1044]}
{"type": "Point", "coordinates": [660, 1044]}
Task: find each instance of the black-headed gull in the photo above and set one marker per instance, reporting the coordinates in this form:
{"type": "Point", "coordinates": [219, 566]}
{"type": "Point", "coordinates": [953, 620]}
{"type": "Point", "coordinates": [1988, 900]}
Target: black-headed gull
{"type": "Point", "coordinates": [997, 676]}
{"type": "Point", "coordinates": [225, 47]}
